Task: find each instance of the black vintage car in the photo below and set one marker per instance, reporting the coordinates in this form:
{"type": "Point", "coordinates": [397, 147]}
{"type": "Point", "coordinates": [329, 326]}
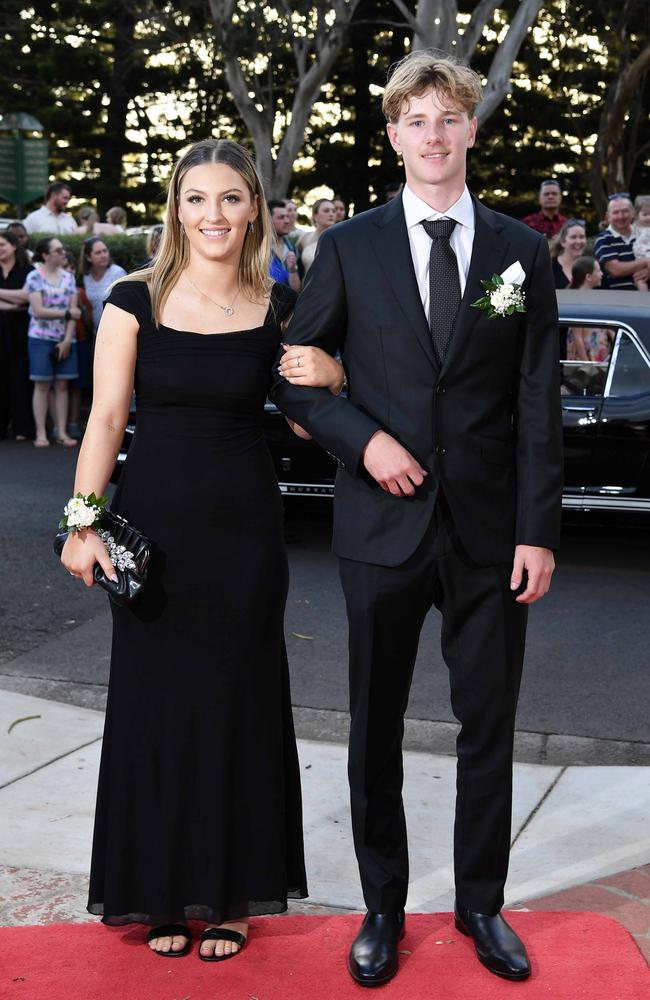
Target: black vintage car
{"type": "Point", "coordinates": [605, 409]}
{"type": "Point", "coordinates": [605, 395]}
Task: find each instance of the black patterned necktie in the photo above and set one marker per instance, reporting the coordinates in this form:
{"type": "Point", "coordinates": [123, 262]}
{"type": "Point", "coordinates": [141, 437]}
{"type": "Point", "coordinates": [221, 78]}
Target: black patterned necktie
{"type": "Point", "coordinates": [444, 284]}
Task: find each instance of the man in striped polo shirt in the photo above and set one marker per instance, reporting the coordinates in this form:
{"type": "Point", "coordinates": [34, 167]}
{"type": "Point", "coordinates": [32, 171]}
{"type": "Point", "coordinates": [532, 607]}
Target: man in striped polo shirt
{"type": "Point", "coordinates": [614, 247]}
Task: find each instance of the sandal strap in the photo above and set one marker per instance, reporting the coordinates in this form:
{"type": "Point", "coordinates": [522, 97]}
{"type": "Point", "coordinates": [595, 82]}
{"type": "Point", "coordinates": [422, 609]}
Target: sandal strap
{"type": "Point", "coordinates": [169, 930]}
{"type": "Point", "coordinates": [223, 934]}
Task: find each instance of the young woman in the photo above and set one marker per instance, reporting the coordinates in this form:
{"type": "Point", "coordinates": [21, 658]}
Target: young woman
{"type": "Point", "coordinates": [15, 390]}
{"type": "Point", "coordinates": [568, 245]}
{"type": "Point", "coordinates": [84, 333]}
{"type": "Point", "coordinates": [323, 216]}
{"type": "Point", "coordinates": [53, 312]}
{"type": "Point", "coordinates": [198, 810]}
{"type": "Point", "coordinates": [97, 272]}
{"type": "Point", "coordinates": [588, 343]}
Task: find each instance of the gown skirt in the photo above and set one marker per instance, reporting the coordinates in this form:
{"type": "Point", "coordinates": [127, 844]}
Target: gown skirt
{"type": "Point", "coordinates": [199, 810]}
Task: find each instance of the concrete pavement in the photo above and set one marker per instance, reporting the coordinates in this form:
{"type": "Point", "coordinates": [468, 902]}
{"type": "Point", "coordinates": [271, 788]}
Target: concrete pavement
{"type": "Point", "coordinates": [575, 829]}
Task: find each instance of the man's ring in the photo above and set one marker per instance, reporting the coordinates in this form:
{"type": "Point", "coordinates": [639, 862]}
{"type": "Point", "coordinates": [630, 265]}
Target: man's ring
{"type": "Point", "coordinates": [298, 361]}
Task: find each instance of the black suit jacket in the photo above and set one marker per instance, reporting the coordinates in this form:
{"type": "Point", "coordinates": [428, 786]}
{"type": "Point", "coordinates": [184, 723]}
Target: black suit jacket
{"type": "Point", "coordinates": [486, 425]}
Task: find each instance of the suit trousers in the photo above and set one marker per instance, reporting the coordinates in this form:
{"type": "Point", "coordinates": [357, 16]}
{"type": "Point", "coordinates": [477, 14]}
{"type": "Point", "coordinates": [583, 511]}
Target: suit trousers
{"type": "Point", "coordinates": [483, 638]}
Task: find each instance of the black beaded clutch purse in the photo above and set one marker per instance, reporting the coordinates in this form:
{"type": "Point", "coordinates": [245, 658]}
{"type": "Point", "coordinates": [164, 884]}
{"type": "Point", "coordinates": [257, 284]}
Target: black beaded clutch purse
{"type": "Point", "coordinates": [129, 551]}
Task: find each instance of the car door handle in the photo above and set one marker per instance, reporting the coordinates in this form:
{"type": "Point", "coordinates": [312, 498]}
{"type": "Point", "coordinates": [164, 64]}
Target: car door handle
{"type": "Point", "coordinates": [580, 409]}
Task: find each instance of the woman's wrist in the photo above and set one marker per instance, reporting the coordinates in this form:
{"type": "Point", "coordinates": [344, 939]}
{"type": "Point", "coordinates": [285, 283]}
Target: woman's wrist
{"type": "Point", "coordinates": [340, 385]}
{"type": "Point", "coordinates": [82, 512]}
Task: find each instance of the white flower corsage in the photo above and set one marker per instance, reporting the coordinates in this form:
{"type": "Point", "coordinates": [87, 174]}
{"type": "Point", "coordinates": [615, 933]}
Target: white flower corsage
{"type": "Point", "coordinates": [503, 298]}
{"type": "Point", "coordinates": [82, 512]}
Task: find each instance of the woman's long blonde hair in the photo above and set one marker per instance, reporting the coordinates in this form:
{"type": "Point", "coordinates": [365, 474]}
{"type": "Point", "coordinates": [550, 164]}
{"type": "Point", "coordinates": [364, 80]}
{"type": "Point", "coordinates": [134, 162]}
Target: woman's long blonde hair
{"type": "Point", "coordinates": [173, 254]}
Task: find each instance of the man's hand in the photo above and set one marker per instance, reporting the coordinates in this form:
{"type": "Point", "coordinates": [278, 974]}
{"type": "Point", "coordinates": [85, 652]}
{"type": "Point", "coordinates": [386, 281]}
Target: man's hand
{"type": "Point", "coordinates": [539, 564]}
{"type": "Point", "coordinates": [392, 466]}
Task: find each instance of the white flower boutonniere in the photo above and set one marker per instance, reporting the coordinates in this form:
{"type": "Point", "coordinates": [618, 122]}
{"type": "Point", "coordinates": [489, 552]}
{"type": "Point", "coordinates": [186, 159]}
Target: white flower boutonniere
{"type": "Point", "coordinates": [503, 298]}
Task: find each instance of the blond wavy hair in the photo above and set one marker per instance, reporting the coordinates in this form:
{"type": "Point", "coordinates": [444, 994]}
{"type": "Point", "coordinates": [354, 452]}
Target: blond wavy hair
{"type": "Point", "coordinates": [426, 70]}
{"type": "Point", "coordinates": [173, 254]}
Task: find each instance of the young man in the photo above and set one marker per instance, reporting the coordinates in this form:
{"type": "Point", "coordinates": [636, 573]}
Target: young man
{"type": "Point", "coordinates": [548, 221]}
{"type": "Point", "coordinates": [52, 216]}
{"type": "Point", "coordinates": [448, 492]}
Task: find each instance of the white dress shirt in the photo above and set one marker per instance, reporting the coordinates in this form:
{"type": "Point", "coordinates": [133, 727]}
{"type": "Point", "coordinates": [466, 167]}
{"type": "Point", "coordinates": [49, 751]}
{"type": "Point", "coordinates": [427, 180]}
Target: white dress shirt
{"type": "Point", "coordinates": [461, 240]}
{"type": "Point", "coordinates": [45, 221]}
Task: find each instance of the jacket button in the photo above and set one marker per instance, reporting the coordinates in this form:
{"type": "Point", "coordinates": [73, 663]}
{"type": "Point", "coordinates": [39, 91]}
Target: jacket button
{"type": "Point", "coordinates": [440, 388]}
{"type": "Point", "coordinates": [440, 450]}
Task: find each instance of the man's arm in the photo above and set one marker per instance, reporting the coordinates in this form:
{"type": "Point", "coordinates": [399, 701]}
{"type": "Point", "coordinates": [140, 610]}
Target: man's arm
{"type": "Point", "coordinates": [624, 268]}
{"type": "Point", "coordinates": [320, 320]}
{"type": "Point", "coordinates": [539, 438]}
{"type": "Point", "coordinates": [539, 415]}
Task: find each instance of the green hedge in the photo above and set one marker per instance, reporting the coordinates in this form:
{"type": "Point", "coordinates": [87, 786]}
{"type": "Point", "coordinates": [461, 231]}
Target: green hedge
{"type": "Point", "coordinates": [130, 252]}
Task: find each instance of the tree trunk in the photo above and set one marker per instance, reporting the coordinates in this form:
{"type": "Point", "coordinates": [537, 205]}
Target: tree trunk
{"type": "Point", "coordinates": [435, 25]}
{"type": "Point", "coordinates": [119, 91]}
{"type": "Point", "coordinates": [357, 190]}
{"type": "Point", "coordinates": [613, 161]}
{"type": "Point", "coordinates": [314, 56]}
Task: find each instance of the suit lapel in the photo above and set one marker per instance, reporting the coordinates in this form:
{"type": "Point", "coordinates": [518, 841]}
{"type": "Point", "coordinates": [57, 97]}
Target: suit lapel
{"type": "Point", "coordinates": [390, 241]}
{"type": "Point", "coordinates": [488, 252]}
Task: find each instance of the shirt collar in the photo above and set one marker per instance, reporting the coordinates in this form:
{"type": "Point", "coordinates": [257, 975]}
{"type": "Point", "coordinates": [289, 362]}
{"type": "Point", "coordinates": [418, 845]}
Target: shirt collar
{"type": "Point", "coordinates": [416, 210]}
{"type": "Point", "coordinates": [615, 232]}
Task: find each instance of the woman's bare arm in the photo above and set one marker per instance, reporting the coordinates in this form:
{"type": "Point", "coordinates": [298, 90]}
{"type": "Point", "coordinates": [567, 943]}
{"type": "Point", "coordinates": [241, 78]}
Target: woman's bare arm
{"type": "Point", "coordinates": [114, 369]}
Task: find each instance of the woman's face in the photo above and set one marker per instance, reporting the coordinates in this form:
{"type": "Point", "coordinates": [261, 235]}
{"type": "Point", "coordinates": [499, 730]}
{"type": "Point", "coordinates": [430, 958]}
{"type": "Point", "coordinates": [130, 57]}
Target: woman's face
{"type": "Point", "coordinates": [574, 241]}
{"type": "Point", "coordinates": [595, 279]}
{"type": "Point", "coordinates": [98, 256]}
{"type": "Point", "coordinates": [22, 234]}
{"type": "Point", "coordinates": [55, 254]}
{"type": "Point", "coordinates": [325, 214]}
{"type": "Point", "coordinates": [7, 251]}
{"type": "Point", "coordinates": [215, 207]}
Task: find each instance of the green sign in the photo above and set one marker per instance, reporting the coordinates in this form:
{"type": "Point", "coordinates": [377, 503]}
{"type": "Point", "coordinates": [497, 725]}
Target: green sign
{"type": "Point", "coordinates": [24, 169]}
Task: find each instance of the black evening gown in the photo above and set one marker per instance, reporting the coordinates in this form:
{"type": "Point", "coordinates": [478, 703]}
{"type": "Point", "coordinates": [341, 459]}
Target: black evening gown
{"type": "Point", "coordinates": [199, 807]}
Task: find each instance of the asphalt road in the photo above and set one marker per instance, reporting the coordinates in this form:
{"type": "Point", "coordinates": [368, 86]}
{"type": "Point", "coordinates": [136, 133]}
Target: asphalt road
{"type": "Point", "coordinates": [587, 672]}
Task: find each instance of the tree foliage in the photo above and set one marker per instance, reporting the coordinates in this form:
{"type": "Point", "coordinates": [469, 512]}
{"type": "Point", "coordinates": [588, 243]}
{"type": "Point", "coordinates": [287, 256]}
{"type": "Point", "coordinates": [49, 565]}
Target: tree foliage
{"type": "Point", "coordinates": [121, 87]}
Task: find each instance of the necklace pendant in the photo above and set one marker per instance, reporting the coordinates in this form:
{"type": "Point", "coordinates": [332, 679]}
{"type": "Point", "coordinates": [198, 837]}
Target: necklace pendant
{"type": "Point", "coordinates": [229, 311]}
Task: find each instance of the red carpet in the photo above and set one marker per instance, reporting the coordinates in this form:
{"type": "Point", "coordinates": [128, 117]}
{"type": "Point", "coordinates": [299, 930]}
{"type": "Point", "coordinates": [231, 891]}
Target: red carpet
{"type": "Point", "coordinates": [575, 956]}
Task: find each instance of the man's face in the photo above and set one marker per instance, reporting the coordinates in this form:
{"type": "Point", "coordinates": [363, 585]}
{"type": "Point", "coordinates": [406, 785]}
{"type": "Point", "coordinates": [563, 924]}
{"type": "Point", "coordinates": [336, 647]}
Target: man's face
{"type": "Point", "coordinates": [281, 221]}
{"type": "Point", "coordinates": [433, 138]}
{"type": "Point", "coordinates": [620, 214]}
{"type": "Point", "coordinates": [550, 197]}
{"type": "Point", "coordinates": [60, 200]}
{"type": "Point", "coordinates": [292, 210]}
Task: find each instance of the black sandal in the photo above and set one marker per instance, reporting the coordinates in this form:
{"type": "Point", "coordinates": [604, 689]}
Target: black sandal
{"type": "Point", "coordinates": [171, 930]}
{"type": "Point", "coordinates": [221, 934]}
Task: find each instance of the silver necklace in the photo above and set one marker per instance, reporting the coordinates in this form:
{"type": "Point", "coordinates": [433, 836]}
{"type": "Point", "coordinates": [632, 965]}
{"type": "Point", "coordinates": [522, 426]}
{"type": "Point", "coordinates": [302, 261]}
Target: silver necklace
{"type": "Point", "coordinates": [228, 310]}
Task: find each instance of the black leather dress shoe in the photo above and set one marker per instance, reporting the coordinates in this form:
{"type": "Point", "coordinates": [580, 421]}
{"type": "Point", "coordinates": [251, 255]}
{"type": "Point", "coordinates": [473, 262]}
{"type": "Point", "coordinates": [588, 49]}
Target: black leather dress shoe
{"type": "Point", "coordinates": [373, 955]}
{"type": "Point", "coordinates": [497, 946]}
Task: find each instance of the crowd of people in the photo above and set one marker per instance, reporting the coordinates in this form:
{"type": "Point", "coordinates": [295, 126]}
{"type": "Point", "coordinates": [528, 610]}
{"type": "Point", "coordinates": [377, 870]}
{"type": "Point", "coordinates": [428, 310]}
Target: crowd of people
{"type": "Point", "coordinates": [50, 307]}
{"type": "Point", "coordinates": [51, 304]}
{"type": "Point", "coordinates": [621, 248]}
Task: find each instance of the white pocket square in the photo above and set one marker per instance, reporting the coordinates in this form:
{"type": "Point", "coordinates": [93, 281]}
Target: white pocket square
{"type": "Point", "coordinates": [514, 275]}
